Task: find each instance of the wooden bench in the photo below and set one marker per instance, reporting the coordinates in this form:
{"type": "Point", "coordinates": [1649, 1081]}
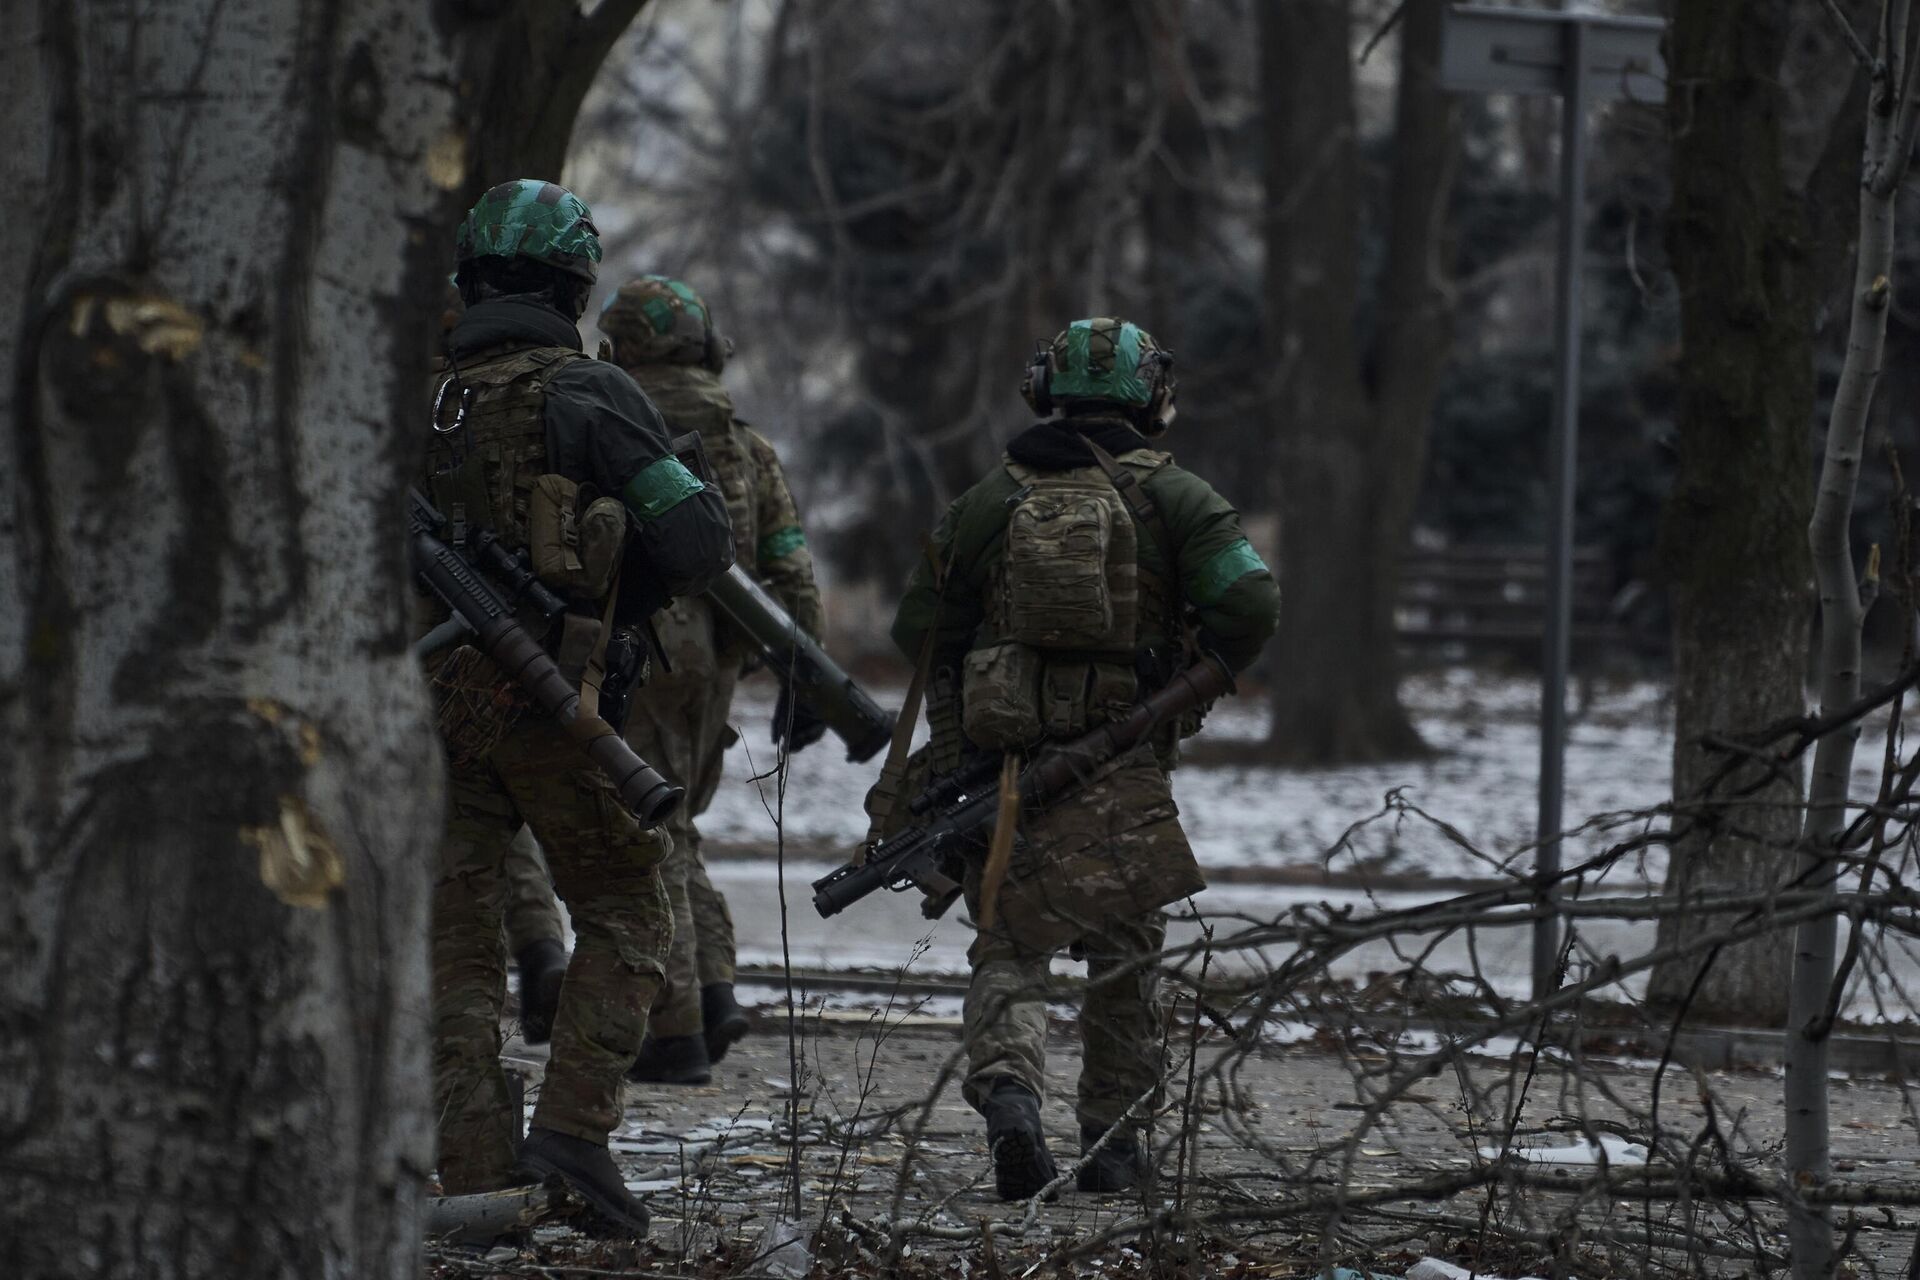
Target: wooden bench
{"type": "Point", "coordinates": [1492, 599]}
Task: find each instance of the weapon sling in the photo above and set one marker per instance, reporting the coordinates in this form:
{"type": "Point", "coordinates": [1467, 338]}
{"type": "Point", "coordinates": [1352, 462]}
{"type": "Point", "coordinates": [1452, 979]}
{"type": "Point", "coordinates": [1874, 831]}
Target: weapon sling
{"type": "Point", "coordinates": [892, 783]}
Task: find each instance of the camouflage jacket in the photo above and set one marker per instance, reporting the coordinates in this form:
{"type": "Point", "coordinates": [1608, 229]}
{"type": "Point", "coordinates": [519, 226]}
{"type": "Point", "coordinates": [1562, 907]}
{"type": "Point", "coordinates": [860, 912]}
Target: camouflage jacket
{"type": "Point", "coordinates": [766, 525]}
{"type": "Point", "coordinates": [1210, 566]}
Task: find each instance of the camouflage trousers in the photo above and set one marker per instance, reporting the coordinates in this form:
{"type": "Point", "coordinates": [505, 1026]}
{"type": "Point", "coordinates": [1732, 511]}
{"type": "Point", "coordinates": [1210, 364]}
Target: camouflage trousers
{"type": "Point", "coordinates": [1090, 873]}
{"type": "Point", "coordinates": [679, 725]}
{"type": "Point", "coordinates": [604, 865]}
{"type": "Point", "coordinates": [533, 913]}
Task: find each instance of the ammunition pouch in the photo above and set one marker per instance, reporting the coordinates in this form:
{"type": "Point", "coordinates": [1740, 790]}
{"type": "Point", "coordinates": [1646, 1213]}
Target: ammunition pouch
{"type": "Point", "coordinates": [574, 547]}
{"type": "Point", "coordinates": [1000, 696]}
{"type": "Point", "coordinates": [1016, 695]}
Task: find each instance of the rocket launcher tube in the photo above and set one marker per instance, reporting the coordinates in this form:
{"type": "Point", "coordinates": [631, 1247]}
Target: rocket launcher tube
{"type": "Point", "coordinates": [499, 635]}
{"type": "Point", "coordinates": [793, 655]}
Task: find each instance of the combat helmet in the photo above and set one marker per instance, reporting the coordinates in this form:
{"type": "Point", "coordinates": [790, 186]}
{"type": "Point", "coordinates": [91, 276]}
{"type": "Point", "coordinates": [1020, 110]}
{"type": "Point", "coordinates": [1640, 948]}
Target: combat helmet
{"type": "Point", "coordinates": [1099, 363]}
{"type": "Point", "coordinates": [660, 320]}
{"type": "Point", "coordinates": [539, 221]}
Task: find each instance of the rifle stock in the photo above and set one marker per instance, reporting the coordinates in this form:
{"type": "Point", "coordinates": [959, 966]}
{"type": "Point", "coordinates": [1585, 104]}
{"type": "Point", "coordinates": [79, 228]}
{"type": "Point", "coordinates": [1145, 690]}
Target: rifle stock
{"type": "Point", "coordinates": [914, 856]}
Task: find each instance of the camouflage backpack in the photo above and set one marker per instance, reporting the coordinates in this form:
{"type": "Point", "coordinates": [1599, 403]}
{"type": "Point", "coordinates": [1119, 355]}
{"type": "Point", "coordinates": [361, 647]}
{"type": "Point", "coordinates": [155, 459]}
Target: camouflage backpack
{"type": "Point", "coordinates": [1063, 614]}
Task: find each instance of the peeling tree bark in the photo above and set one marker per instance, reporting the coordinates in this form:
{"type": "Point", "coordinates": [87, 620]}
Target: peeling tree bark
{"type": "Point", "coordinates": [220, 256]}
{"type": "Point", "coordinates": [1350, 422]}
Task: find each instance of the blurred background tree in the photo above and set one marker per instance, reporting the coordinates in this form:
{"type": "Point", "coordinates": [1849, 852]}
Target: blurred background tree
{"type": "Point", "coordinates": [890, 202]}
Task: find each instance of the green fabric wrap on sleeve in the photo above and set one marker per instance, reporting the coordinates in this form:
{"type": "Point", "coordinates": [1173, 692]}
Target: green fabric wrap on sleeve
{"type": "Point", "coordinates": [660, 487]}
{"type": "Point", "coordinates": [780, 544]}
{"type": "Point", "coordinates": [1224, 568]}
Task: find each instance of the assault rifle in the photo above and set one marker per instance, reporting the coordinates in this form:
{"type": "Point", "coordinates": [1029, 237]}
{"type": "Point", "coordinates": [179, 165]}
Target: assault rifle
{"type": "Point", "coordinates": [968, 803]}
{"type": "Point", "coordinates": [794, 655]}
{"type": "Point", "coordinates": [480, 609]}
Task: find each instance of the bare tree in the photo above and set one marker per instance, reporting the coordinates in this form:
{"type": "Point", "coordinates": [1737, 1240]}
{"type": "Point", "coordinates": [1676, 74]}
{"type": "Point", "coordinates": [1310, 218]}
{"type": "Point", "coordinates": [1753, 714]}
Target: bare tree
{"type": "Point", "coordinates": [1892, 111]}
{"type": "Point", "coordinates": [525, 68]}
{"type": "Point", "coordinates": [1349, 416]}
{"type": "Point", "coordinates": [219, 260]}
{"type": "Point", "coordinates": [1734, 547]}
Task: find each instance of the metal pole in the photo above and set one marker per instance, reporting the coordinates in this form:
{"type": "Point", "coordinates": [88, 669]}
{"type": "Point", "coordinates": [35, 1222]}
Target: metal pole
{"type": "Point", "coordinates": [1562, 453]}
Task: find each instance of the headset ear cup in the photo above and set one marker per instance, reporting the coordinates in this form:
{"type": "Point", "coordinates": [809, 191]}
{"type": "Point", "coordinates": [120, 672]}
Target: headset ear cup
{"type": "Point", "coordinates": [1160, 409]}
{"type": "Point", "coordinates": [1042, 380]}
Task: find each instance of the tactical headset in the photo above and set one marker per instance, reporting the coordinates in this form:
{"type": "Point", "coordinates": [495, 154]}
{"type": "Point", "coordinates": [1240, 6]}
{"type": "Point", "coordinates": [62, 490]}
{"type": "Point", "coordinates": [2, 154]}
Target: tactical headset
{"type": "Point", "coordinates": [1159, 410]}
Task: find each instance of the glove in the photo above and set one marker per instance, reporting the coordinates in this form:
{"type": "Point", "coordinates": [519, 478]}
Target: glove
{"type": "Point", "coordinates": [794, 722]}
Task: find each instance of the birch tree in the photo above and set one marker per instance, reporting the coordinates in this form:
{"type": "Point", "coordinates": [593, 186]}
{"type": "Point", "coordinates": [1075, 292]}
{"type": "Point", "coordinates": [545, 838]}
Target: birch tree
{"type": "Point", "coordinates": [222, 244]}
{"type": "Point", "coordinates": [1893, 102]}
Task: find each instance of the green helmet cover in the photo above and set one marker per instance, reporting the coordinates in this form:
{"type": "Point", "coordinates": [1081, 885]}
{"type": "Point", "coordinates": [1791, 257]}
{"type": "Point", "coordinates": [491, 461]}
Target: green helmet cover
{"type": "Point", "coordinates": [528, 218]}
{"type": "Point", "coordinates": [1104, 359]}
{"type": "Point", "coordinates": [657, 319]}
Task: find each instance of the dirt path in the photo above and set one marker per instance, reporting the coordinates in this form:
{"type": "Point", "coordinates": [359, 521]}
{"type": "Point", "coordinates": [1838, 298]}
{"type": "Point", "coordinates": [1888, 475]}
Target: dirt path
{"type": "Point", "coordinates": [1278, 1129]}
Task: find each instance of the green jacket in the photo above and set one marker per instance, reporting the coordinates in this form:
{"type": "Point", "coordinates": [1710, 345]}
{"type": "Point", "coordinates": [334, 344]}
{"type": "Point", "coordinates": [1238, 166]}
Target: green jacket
{"type": "Point", "coordinates": [1233, 596]}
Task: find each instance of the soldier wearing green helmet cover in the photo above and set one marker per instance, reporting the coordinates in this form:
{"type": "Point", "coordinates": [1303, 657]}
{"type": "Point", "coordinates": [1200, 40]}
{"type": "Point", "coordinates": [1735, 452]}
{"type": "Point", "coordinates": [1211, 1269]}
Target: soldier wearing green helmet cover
{"type": "Point", "coordinates": [1079, 575]}
{"type": "Point", "coordinates": [530, 434]}
{"type": "Point", "coordinates": [662, 333]}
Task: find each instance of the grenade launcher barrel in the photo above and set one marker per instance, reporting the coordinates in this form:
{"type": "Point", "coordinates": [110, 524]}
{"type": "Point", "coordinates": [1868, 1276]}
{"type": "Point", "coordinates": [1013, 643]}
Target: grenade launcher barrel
{"type": "Point", "coordinates": [792, 654]}
{"type": "Point", "coordinates": [915, 856]}
{"type": "Point", "coordinates": [516, 652]}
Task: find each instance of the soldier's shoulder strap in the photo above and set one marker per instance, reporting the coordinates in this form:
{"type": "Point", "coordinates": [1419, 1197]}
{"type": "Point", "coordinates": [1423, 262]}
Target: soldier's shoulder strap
{"type": "Point", "coordinates": [1135, 494]}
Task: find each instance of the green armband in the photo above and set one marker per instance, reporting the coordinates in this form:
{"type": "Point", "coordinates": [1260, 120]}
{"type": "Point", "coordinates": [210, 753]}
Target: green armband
{"type": "Point", "coordinates": [660, 487]}
{"type": "Point", "coordinates": [780, 544]}
{"type": "Point", "coordinates": [1224, 568]}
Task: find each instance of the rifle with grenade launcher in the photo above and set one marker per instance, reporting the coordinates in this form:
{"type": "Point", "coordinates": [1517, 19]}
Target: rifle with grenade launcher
{"type": "Point", "coordinates": [964, 804]}
{"type": "Point", "coordinates": [480, 611]}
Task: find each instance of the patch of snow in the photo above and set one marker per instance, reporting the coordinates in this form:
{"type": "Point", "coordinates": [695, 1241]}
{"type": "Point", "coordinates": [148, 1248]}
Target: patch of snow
{"type": "Point", "coordinates": [1435, 1269]}
{"type": "Point", "coordinates": [1611, 1150]}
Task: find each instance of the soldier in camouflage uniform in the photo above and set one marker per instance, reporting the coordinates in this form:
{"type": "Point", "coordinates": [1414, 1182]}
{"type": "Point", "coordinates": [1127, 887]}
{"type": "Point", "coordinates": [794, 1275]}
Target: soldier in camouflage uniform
{"type": "Point", "coordinates": [521, 415]}
{"type": "Point", "coordinates": [1119, 526]}
{"type": "Point", "coordinates": [662, 333]}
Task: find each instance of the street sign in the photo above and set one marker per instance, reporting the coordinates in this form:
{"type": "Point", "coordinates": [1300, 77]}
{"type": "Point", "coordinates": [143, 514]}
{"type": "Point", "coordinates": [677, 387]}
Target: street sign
{"type": "Point", "coordinates": [1582, 58]}
{"type": "Point", "coordinates": [1485, 49]}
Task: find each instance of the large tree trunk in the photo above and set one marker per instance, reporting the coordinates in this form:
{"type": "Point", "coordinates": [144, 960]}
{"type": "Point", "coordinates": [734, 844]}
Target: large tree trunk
{"type": "Point", "coordinates": [1350, 424]}
{"type": "Point", "coordinates": [221, 794]}
{"type": "Point", "coordinates": [525, 68]}
{"type": "Point", "coordinates": [1734, 542]}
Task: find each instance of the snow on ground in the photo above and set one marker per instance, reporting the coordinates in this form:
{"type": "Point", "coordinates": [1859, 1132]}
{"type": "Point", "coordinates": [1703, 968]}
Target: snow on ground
{"type": "Point", "coordinates": [1481, 781]}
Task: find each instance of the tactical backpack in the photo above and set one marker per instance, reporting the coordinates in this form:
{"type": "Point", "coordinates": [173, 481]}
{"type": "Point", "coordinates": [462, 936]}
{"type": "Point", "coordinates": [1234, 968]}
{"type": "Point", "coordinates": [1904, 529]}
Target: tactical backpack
{"type": "Point", "coordinates": [1056, 654]}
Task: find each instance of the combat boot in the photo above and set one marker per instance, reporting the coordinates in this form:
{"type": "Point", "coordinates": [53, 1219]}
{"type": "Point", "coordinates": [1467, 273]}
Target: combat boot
{"type": "Point", "coordinates": [587, 1169]}
{"type": "Point", "coordinates": [1119, 1166]}
{"type": "Point", "coordinates": [725, 1022]}
{"type": "Point", "coordinates": [1021, 1164]}
{"type": "Point", "coordinates": [542, 965]}
{"type": "Point", "coordinates": [671, 1060]}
